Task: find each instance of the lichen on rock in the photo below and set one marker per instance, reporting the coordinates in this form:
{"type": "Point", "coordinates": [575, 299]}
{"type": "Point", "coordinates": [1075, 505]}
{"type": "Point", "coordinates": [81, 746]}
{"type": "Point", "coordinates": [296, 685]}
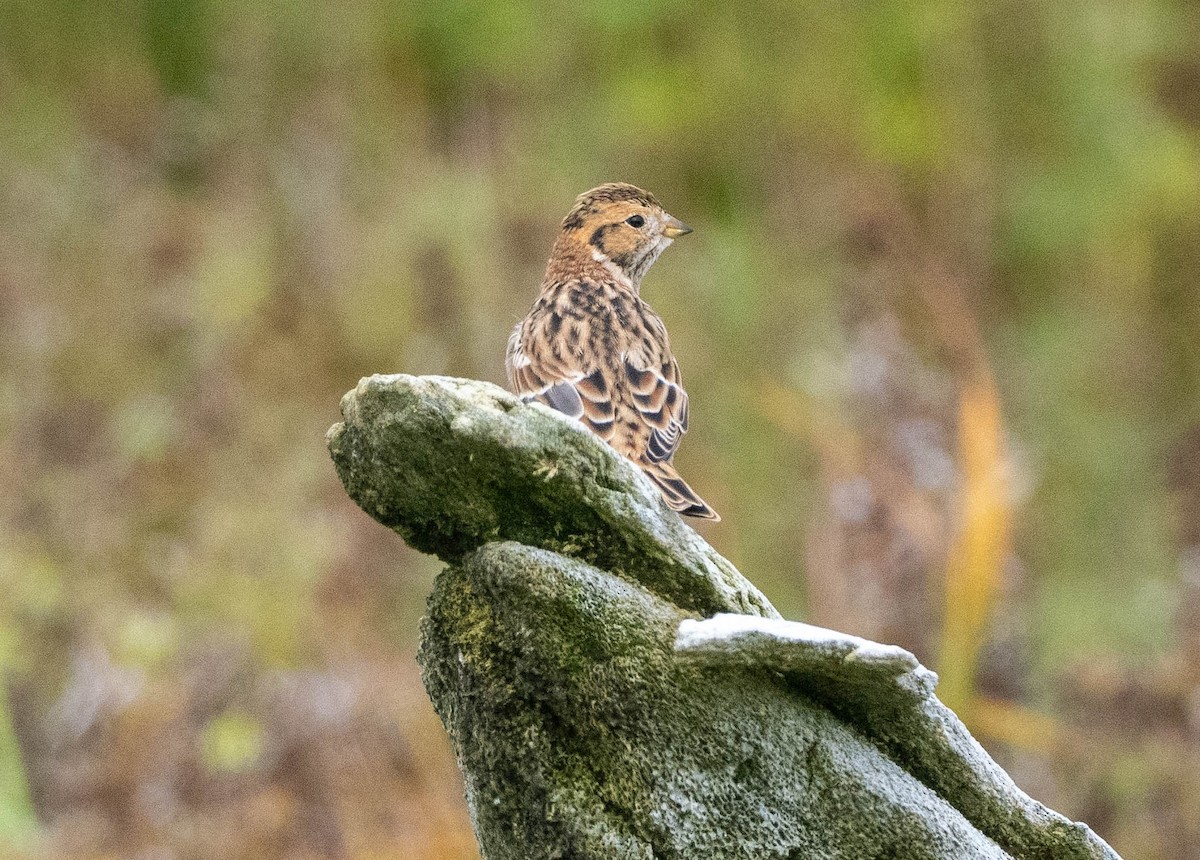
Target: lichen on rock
{"type": "Point", "coordinates": [616, 689]}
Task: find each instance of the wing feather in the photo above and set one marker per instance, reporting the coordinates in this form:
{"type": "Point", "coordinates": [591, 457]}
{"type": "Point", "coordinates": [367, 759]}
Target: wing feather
{"type": "Point", "coordinates": [662, 403]}
{"type": "Point", "coordinates": [555, 380]}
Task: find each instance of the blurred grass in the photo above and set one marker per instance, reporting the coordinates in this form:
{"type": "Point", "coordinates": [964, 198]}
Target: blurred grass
{"type": "Point", "coordinates": [978, 553]}
{"type": "Point", "coordinates": [18, 824]}
{"type": "Point", "coordinates": [215, 215]}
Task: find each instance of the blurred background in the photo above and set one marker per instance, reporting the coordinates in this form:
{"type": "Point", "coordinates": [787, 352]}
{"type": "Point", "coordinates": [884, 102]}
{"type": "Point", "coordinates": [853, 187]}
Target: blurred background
{"type": "Point", "coordinates": [938, 319]}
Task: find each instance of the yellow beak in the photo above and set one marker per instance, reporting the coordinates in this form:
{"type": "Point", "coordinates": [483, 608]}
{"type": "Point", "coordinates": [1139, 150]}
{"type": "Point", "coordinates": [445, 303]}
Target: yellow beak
{"type": "Point", "coordinates": [675, 228]}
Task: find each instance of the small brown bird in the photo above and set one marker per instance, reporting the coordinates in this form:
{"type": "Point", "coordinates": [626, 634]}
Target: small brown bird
{"type": "Point", "coordinates": [593, 349]}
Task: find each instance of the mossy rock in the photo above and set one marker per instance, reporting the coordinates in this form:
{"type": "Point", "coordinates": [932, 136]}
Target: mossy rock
{"type": "Point", "coordinates": [616, 689]}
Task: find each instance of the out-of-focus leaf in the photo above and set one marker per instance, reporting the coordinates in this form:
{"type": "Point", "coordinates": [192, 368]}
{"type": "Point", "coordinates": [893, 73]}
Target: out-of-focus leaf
{"type": "Point", "coordinates": [975, 565]}
{"type": "Point", "coordinates": [232, 741]}
{"type": "Point", "coordinates": [18, 824]}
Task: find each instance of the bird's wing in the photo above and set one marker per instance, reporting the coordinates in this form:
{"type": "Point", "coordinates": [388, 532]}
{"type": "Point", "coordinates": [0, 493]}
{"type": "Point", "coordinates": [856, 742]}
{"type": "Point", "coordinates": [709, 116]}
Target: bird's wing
{"type": "Point", "coordinates": [561, 383]}
{"type": "Point", "coordinates": [662, 403]}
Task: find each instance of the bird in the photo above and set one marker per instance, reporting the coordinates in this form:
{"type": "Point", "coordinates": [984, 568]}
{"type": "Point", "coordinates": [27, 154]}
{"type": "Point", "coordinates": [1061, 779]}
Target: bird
{"type": "Point", "coordinates": [593, 349]}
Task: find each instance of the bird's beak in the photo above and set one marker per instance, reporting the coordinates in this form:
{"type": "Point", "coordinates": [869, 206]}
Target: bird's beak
{"type": "Point", "coordinates": [675, 228]}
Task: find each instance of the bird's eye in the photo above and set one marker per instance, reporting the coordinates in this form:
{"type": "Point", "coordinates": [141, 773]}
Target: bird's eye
{"type": "Point", "coordinates": [635, 221]}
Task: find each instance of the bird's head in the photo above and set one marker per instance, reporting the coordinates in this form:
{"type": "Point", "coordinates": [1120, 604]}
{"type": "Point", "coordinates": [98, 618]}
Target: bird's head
{"type": "Point", "coordinates": [622, 225]}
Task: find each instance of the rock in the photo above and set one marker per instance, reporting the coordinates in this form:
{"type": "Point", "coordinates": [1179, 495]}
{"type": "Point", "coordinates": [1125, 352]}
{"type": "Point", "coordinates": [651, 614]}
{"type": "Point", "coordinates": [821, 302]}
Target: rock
{"type": "Point", "coordinates": [452, 464]}
{"type": "Point", "coordinates": [616, 689]}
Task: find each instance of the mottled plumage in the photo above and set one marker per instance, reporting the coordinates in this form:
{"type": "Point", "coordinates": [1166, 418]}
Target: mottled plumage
{"type": "Point", "coordinates": [593, 349]}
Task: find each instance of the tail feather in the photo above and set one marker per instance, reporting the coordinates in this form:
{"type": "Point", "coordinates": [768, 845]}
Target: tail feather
{"type": "Point", "coordinates": [678, 495]}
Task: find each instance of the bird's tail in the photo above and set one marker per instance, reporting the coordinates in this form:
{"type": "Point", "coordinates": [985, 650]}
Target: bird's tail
{"type": "Point", "coordinates": [678, 495]}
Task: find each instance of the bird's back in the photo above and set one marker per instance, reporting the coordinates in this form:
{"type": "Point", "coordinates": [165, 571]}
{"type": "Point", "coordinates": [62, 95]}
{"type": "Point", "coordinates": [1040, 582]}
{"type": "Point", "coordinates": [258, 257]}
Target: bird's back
{"type": "Point", "coordinates": [593, 349]}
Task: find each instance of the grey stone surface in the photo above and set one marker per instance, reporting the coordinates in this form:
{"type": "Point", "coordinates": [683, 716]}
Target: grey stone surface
{"type": "Point", "coordinates": [616, 689]}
